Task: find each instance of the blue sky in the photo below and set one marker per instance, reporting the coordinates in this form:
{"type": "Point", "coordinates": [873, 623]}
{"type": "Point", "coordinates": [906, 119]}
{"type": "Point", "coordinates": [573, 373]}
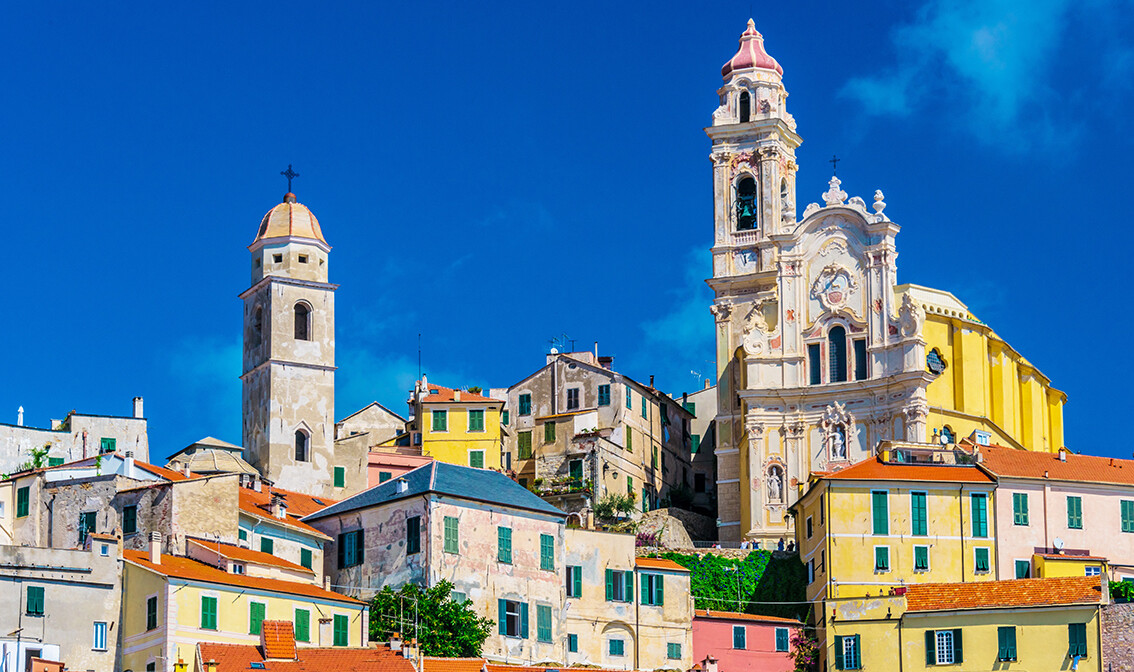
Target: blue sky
{"type": "Point", "coordinates": [494, 176]}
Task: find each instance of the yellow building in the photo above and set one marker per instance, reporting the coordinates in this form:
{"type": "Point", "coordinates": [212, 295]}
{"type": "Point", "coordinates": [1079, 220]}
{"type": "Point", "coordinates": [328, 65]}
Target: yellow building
{"type": "Point", "coordinates": [171, 603]}
{"type": "Point", "coordinates": [1026, 624]}
{"type": "Point", "coordinates": [912, 514]}
{"type": "Point", "coordinates": [456, 426]}
{"type": "Point", "coordinates": [981, 383]}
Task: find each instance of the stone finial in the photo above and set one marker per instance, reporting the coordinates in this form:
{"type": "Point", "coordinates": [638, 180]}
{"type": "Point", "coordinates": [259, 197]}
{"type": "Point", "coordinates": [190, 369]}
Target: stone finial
{"type": "Point", "coordinates": [834, 195]}
{"type": "Point", "coordinates": [879, 204]}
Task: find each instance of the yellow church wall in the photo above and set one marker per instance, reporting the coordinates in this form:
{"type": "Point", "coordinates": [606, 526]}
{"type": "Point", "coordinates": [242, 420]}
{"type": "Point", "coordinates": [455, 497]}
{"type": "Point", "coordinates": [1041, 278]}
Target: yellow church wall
{"type": "Point", "coordinates": [1047, 566]}
{"type": "Point", "coordinates": [987, 385]}
{"type": "Point", "coordinates": [454, 445]}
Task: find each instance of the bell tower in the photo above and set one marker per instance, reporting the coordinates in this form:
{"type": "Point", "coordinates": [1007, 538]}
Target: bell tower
{"type": "Point", "coordinates": [289, 353]}
{"type": "Point", "coordinates": [753, 154]}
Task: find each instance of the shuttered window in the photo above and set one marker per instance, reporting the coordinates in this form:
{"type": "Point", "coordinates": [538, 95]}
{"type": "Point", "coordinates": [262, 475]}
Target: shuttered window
{"type": "Point", "coordinates": [525, 404]}
{"type": "Point", "coordinates": [1023, 569]}
{"type": "Point", "coordinates": [918, 514]}
{"type": "Point", "coordinates": [267, 545]}
{"type": "Point", "coordinates": [652, 590]}
{"type": "Point", "coordinates": [1006, 643]}
{"type": "Point", "coordinates": [881, 511]}
{"type": "Point", "coordinates": [547, 552]}
{"type": "Point", "coordinates": [980, 514]}
{"type": "Point", "coordinates": [151, 613]}
{"type": "Point", "coordinates": [504, 545]}
{"type": "Point", "coordinates": [340, 477]}
{"type": "Point", "coordinates": [543, 623]}
{"type": "Point", "coordinates": [604, 395]}
{"type": "Point", "coordinates": [921, 558]}
{"type": "Point", "coordinates": [451, 534]}
{"type": "Point", "coordinates": [572, 643]}
{"type": "Point", "coordinates": [524, 442]}
{"type": "Point", "coordinates": [943, 647]}
{"type": "Point", "coordinates": [302, 625]}
{"type": "Point", "coordinates": [413, 535]}
{"type": "Point", "coordinates": [1074, 513]}
{"type": "Point", "coordinates": [255, 617]}
{"type": "Point", "coordinates": [881, 558]}
{"type": "Point", "coordinates": [574, 581]}
{"type": "Point", "coordinates": [572, 398]}
{"type": "Point", "coordinates": [1020, 508]}
{"type": "Point", "coordinates": [440, 421]}
{"type": "Point", "coordinates": [739, 637]}
{"type": "Point", "coordinates": [1077, 640]}
{"type": "Point", "coordinates": [848, 653]}
{"type": "Point", "coordinates": [673, 651]}
{"type": "Point", "coordinates": [129, 519]}
{"type": "Point", "coordinates": [208, 613]}
{"type": "Point", "coordinates": [35, 601]}
{"type": "Point", "coordinates": [782, 639]}
{"type": "Point", "coordinates": [305, 557]}
{"type": "Point", "coordinates": [619, 586]}
{"type": "Point", "coordinates": [981, 560]}
{"type": "Point", "coordinates": [1127, 515]}
{"type": "Point", "coordinates": [342, 623]}
{"type": "Point", "coordinates": [549, 431]}
{"type": "Point", "coordinates": [350, 549]}
{"type": "Point", "coordinates": [629, 399]}
{"type": "Point", "coordinates": [22, 500]}
{"type": "Point", "coordinates": [476, 420]}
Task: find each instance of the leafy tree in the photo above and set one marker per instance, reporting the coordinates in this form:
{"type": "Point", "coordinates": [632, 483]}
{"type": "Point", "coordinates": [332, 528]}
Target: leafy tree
{"type": "Point", "coordinates": [442, 627]}
{"type": "Point", "coordinates": [38, 459]}
{"type": "Point", "coordinates": [1122, 591]}
{"type": "Point", "coordinates": [756, 584]}
{"type": "Point", "coordinates": [804, 651]}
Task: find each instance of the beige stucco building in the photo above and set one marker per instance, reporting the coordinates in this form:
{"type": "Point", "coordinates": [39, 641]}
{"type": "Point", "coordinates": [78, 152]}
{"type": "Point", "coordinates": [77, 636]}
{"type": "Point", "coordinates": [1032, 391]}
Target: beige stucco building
{"type": "Point", "coordinates": [77, 436]}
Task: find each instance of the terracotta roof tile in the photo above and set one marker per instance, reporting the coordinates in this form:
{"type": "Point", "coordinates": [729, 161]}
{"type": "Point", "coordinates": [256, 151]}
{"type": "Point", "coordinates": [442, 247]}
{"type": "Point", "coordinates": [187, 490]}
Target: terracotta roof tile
{"type": "Point", "coordinates": [734, 616]}
{"type": "Point", "coordinates": [492, 667]}
{"type": "Point", "coordinates": [659, 563]}
{"type": "Point", "coordinates": [238, 658]}
{"type": "Point", "coordinates": [1004, 594]}
{"type": "Point", "coordinates": [1013, 463]}
{"type": "Point", "coordinates": [193, 570]}
{"type": "Point", "coordinates": [298, 505]}
{"type": "Point", "coordinates": [440, 393]}
{"type": "Point", "coordinates": [248, 555]}
{"type": "Point", "coordinates": [874, 469]}
{"type": "Point", "coordinates": [1063, 556]}
{"type": "Point", "coordinates": [277, 640]}
{"type": "Point", "coordinates": [432, 664]}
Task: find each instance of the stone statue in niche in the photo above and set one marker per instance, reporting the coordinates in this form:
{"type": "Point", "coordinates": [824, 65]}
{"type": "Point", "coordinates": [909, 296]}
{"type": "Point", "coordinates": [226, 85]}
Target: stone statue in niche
{"type": "Point", "coordinates": [837, 423]}
{"type": "Point", "coordinates": [775, 485]}
{"type": "Point", "coordinates": [839, 443]}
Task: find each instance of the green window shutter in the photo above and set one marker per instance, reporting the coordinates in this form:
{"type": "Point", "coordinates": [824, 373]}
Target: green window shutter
{"type": "Point", "coordinates": [22, 500]}
{"type": "Point", "coordinates": [610, 585]}
{"type": "Point", "coordinates": [242, 534]}
{"type": "Point", "coordinates": [129, 519]}
{"type": "Point", "coordinates": [523, 620]}
{"type": "Point", "coordinates": [882, 558]}
{"type": "Point", "coordinates": [881, 512]}
{"type": "Point", "coordinates": [524, 443]}
{"type": "Point", "coordinates": [659, 590]}
{"type": "Point", "coordinates": [440, 421]}
{"type": "Point", "coordinates": [358, 547]}
{"type": "Point", "coordinates": [739, 637]}
{"type": "Point", "coordinates": [1020, 508]}
{"type": "Point", "coordinates": [208, 613]}
{"type": "Point", "coordinates": [413, 535]}
{"type": "Point", "coordinates": [840, 661]}
{"type": "Point", "coordinates": [1074, 512]}
{"type": "Point", "coordinates": [629, 439]}
{"type": "Point", "coordinates": [980, 515]}
{"type": "Point", "coordinates": [450, 534]}
{"type": "Point", "coordinates": [106, 445]}
{"type": "Point", "coordinates": [644, 593]}
{"type": "Point", "coordinates": [476, 420]}
{"type": "Point", "coordinates": [525, 404]}
{"type": "Point", "coordinates": [543, 623]}
{"type": "Point", "coordinates": [628, 581]}
{"type": "Point", "coordinates": [255, 617]}
{"type": "Point", "coordinates": [673, 651]}
{"type": "Point", "coordinates": [547, 552]}
{"type": "Point", "coordinates": [981, 560]}
{"type": "Point", "coordinates": [694, 443]}
{"type": "Point", "coordinates": [629, 485]}
{"type": "Point", "coordinates": [1077, 640]}
{"type": "Point", "coordinates": [267, 545]}
{"type": "Point", "coordinates": [958, 650]}
{"type": "Point", "coordinates": [302, 625]}
{"type": "Point", "coordinates": [504, 418]}
{"type": "Point", "coordinates": [645, 411]}
{"type": "Point", "coordinates": [921, 558]}
{"type": "Point", "coordinates": [1006, 643]}
{"type": "Point", "coordinates": [781, 639]}
{"type": "Point", "coordinates": [918, 511]}
{"type": "Point", "coordinates": [604, 395]}
{"type": "Point", "coordinates": [549, 431]}
{"type": "Point", "coordinates": [504, 545]}
{"type": "Point", "coordinates": [340, 477]}
{"type": "Point", "coordinates": [572, 643]}
{"type": "Point", "coordinates": [54, 461]}
{"type": "Point", "coordinates": [151, 613]}
{"type": "Point", "coordinates": [1127, 516]}
{"type": "Point", "coordinates": [578, 579]}
{"type": "Point", "coordinates": [1023, 569]}
{"type": "Point", "coordinates": [502, 616]}
{"type": "Point", "coordinates": [341, 625]}
{"type": "Point", "coordinates": [930, 647]}
{"type": "Point", "coordinates": [35, 601]}
{"type": "Point", "coordinates": [629, 399]}
{"type": "Point", "coordinates": [305, 557]}
{"type": "Point", "coordinates": [384, 476]}
{"type": "Point", "coordinates": [476, 459]}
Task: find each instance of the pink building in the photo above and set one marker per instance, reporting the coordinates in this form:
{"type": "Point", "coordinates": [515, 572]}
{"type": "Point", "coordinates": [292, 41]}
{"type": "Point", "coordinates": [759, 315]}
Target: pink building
{"type": "Point", "coordinates": [743, 642]}
{"type": "Point", "coordinates": [384, 463]}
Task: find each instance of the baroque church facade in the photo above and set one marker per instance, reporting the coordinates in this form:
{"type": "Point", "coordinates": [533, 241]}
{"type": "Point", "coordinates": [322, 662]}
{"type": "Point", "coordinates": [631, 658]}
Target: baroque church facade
{"type": "Point", "coordinates": [820, 353]}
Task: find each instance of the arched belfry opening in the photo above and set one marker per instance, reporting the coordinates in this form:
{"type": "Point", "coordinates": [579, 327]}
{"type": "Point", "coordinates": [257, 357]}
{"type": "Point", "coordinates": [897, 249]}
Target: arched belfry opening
{"type": "Point", "coordinates": [745, 107]}
{"type": "Point", "coordinates": [746, 203]}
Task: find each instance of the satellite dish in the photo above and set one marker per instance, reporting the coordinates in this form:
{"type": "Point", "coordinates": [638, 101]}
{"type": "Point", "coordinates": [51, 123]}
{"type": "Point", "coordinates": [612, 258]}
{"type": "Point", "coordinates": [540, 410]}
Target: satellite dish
{"type": "Point", "coordinates": [555, 351]}
{"type": "Point", "coordinates": [1058, 543]}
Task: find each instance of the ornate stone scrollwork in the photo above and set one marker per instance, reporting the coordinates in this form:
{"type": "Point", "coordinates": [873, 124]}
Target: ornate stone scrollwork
{"type": "Point", "coordinates": [910, 316]}
{"type": "Point", "coordinates": [754, 427]}
{"type": "Point", "coordinates": [721, 311]}
{"type": "Point", "coordinates": [834, 195]}
{"type": "Point", "coordinates": [832, 287]}
{"type": "Point", "coordinates": [756, 329]}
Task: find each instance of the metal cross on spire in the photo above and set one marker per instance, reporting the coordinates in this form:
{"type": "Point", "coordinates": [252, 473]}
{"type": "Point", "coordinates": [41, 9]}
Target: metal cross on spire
{"type": "Point", "coordinates": [834, 165]}
{"type": "Point", "coordinates": [290, 175]}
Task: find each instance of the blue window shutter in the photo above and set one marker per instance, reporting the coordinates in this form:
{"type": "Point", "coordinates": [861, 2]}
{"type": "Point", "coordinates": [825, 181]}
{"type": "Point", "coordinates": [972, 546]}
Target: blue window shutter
{"type": "Point", "coordinates": [523, 620]}
{"type": "Point", "coordinates": [609, 585]}
{"type": "Point", "coordinates": [502, 615]}
{"type": "Point", "coordinates": [628, 581]}
{"type": "Point", "coordinates": [644, 592]}
{"type": "Point", "coordinates": [659, 590]}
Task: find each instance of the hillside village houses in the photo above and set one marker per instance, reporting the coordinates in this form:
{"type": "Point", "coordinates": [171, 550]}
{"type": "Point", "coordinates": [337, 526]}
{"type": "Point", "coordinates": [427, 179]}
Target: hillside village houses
{"type": "Point", "coordinates": [914, 457]}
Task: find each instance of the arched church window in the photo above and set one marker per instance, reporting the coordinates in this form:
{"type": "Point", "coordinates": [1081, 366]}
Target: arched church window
{"type": "Point", "coordinates": [746, 204]}
{"type": "Point", "coordinates": [302, 322]}
{"type": "Point", "coordinates": [935, 362]}
{"type": "Point", "coordinates": [837, 349]}
{"type": "Point", "coordinates": [745, 107]}
{"type": "Point", "coordinates": [257, 326]}
{"type": "Point", "coordinates": [301, 451]}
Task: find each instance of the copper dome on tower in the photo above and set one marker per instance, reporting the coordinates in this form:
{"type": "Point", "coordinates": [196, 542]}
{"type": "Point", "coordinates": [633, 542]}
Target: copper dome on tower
{"type": "Point", "coordinates": [751, 53]}
{"type": "Point", "coordinates": [289, 219]}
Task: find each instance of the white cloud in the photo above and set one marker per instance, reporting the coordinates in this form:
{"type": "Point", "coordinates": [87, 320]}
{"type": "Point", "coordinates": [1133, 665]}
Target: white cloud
{"type": "Point", "coordinates": [983, 62]}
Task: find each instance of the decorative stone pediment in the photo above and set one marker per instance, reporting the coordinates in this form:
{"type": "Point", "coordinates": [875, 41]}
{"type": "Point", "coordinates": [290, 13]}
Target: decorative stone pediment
{"type": "Point", "coordinates": [832, 287]}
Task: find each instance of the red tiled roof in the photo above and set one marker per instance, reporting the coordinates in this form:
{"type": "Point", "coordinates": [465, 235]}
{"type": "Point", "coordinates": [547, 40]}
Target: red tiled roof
{"type": "Point", "coordinates": [432, 664]}
{"type": "Point", "coordinates": [100, 535]}
{"type": "Point", "coordinates": [874, 469]}
{"type": "Point", "coordinates": [439, 393]}
{"type": "Point", "coordinates": [238, 658]}
{"type": "Point", "coordinates": [167, 474]}
{"type": "Point", "coordinates": [298, 505]}
{"type": "Point", "coordinates": [277, 640]}
{"type": "Point", "coordinates": [189, 569]}
{"type": "Point", "coordinates": [659, 563]}
{"type": "Point", "coordinates": [1060, 556]}
{"type": "Point", "coordinates": [734, 616]}
{"type": "Point", "coordinates": [1004, 594]}
{"type": "Point", "coordinates": [493, 667]}
{"type": "Point", "coordinates": [248, 555]}
{"type": "Point", "coordinates": [1013, 463]}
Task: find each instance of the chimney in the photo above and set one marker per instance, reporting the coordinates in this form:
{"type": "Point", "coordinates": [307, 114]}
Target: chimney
{"type": "Point", "coordinates": [20, 416]}
{"type": "Point", "coordinates": [709, 664]}
{"type": "Point", "coordinates": [155, 547]}
{"type": "Point", "coordinates": [606, 362]}
{"type": "Point", "coordinates": [279, 506]}
{"type": "Point", "coordinates": [395, 642]}
{"type": "Point", "coordinates": [651, 381]}
{"type": "Point", "coordinates": [185, 470]}
{"type": "Point", "coordinates": [327, 582]}
{"type": "Point", "coordinates": [596, 350]}
{"type": "Point", "coordinates": [128, 464]}
{"type": "Point", "coordinates": [138, 407]}
{"type": "Point", "coordinates": [708, 383]}
{"type": "Point", "coordinates": [456, 395]}
{"type": "Point", "coordinates": [402, 485]}
{"type": "Point", "coordinates": [1062, 454]}
{"type": "Point", "coordinates": [210, 665]}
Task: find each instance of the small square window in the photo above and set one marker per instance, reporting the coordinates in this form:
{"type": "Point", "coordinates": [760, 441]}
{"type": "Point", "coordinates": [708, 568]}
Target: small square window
{"type": "Point", "coordinates": [303, 258]}
{"type": "Point", "coordinates": [277, 258]}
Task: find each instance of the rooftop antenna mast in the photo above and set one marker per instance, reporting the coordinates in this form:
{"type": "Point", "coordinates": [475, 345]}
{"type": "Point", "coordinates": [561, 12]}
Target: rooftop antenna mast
{"type": "Point", "coordinates": [419, 355]}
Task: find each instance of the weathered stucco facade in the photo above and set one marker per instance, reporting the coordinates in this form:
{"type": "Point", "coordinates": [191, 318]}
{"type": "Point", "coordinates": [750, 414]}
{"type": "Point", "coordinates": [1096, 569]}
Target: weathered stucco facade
{"type": "Point", "coordinates": [74, 607]}
{"type": "Point", "coordinates": [77, 436]}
